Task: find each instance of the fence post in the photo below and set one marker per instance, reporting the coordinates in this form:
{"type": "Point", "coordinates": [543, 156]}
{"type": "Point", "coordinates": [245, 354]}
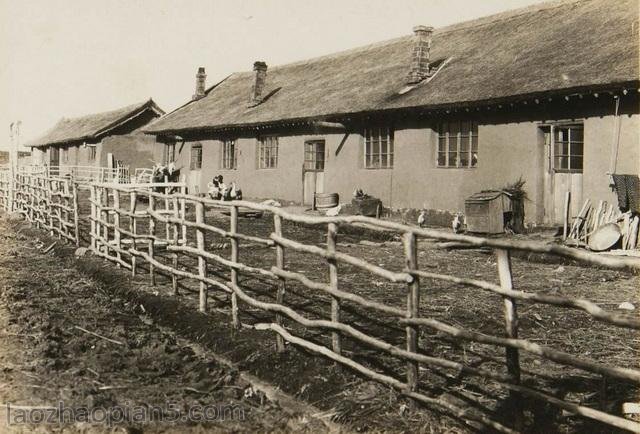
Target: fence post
{"type": "Point", "coordinates": [183, 207]}
{"type": "Point", "coordinates": [567, 214]}
{"type": "Point", "coordinates": [133, 201]}
{"type": "Point", "coordinates": [105, 217]}
{"type": "Point", "coordinates": [76, 219]}
{"type": "Point", "coordinates": [116, 225]}
{"type": "Point", "coordinates": [66, 201]}
{"type": "Point", "coordinates": [511, 328]}
{"type": "Point", "coordinates": [176, 242]}
{"type": "Point", "coordinates": [282, 286]}
{"type": "Point", "coordinates": [413, 303]}
{"type": "Point", "coordinates": [92, 229]}
{"type": "Point", "coordinates": [50, 206]}
{"type": "Point", "coordinates": [98, 210]}
{"type": "Point", "coordinates": [233, 229]}
{"type": "Point", "coordinates": [152, 233]}
{"type": "Point", "coordinates": [202, 263]}
{"type": "Point", "coordinates": [332, 237]}
{"type": "Point", "coordinates": [59, 194]}
{"type": "Point", "coordinates": [167, 226]}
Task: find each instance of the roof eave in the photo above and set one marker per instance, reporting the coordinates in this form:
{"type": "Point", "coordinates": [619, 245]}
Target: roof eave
{"type": "Point", "coordinates": [563, 93]}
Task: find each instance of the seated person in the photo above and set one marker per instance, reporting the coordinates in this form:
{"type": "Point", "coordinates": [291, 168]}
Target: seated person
{"type": "Point", "coordinates": [215, 192]}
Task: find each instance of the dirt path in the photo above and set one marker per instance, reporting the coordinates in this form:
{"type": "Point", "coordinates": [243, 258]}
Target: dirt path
{"type": "Point", "coordinates": [65, 342]}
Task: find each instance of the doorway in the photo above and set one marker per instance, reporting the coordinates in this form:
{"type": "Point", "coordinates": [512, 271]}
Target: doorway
{"type": "Point", "coordinates": [313, 170]}
{"type": "Point", "coordinates": [564, 154]}
{"type": "Point", "coordinates": [54, 160]}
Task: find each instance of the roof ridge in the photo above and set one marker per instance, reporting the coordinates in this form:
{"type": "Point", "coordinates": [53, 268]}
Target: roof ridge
{"type": "Point", "coordinates": [104, 112]}
{"type": "Point", "coordinates": [505, 15]}
{"type": "Point", "coordinates": [474, 22]}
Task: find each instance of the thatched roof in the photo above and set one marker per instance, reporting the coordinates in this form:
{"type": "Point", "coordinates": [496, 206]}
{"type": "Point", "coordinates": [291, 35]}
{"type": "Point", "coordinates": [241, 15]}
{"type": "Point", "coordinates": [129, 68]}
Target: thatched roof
{"type": "Point", "coordinates": [93, 126]}
{"type": "Point", "coordinates": [550, 47]}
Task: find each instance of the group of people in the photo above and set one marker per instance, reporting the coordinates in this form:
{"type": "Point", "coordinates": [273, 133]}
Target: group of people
{"type": "Point", "coordinates": [218, 190]}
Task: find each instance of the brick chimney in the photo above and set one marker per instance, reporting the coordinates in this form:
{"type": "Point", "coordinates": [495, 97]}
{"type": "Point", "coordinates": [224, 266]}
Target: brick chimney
{"type": "Point", "coordinates": [420, 54]}
{"type": "Point", "coordinates": [201, 81]}
{"type": "Point", "coordinates": [259, 79]}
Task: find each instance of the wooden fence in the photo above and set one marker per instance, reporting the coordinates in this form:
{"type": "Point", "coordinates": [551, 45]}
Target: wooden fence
{"type": "Point", "coordinates": [5, 189]}
{"type": "Point", "coordinates": [51, 203]}
{"type": "Point", "coordinates": [116, 212]}
{"type": "Point", "coordinates": [81, 174]}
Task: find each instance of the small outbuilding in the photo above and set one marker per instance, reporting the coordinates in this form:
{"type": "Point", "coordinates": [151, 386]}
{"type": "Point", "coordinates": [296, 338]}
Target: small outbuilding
{"type": "Point", "coordinates": [488, 211]}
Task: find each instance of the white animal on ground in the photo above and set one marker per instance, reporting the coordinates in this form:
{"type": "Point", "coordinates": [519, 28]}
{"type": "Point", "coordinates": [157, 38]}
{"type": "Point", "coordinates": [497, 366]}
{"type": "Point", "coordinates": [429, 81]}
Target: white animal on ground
{"type": "Point", "coordinates": [456, 224]}
{"type": "Point", "coordinates": [271, 202]}
{"type": "Point", "coordinates": [422, 219]}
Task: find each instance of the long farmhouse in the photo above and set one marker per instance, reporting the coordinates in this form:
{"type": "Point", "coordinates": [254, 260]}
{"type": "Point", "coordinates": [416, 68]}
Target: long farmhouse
{"type": "Point", "coordinates": [547, 93]}
{"type": "Point", "coordinates": [100, 140]}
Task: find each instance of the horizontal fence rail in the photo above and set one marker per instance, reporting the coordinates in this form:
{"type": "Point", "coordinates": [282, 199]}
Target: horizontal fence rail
{"type": "Point", "coordinates": [81, 174]}
{"type": "Point", "coordinates": [157, 229]}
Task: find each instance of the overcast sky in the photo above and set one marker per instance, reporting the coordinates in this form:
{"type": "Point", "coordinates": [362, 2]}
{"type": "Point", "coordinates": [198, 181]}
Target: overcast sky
{"type": "Point", "coordinates": [75, 57]}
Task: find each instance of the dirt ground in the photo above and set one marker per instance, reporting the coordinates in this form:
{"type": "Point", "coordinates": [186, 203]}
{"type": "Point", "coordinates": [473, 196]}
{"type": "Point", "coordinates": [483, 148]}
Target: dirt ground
{"type": "Point", "coordinates": [345, 398]}
{"type": "Point", "coordinates": [50, 353]}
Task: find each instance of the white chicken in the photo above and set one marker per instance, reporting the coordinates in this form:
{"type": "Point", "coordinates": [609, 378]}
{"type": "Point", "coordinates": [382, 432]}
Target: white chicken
{"type": "Point", "coordinates": [456, 224]}
{"type": "Point", "coordinates": [422, 219]}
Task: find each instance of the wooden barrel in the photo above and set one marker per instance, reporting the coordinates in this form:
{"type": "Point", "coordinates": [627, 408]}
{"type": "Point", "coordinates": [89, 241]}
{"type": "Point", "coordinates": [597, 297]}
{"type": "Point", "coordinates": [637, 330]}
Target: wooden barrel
{"type": "Point", "coordinates": [327, 200]}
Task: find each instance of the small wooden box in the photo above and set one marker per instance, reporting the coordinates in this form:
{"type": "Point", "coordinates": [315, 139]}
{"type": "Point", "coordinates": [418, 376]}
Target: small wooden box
{"type": "Point", "coordinates": [485, 211]}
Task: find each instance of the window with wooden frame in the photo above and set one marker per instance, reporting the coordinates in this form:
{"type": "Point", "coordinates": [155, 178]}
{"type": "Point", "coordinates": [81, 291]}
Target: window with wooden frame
{"type": "Point", "coordinates": [92, 152]}
{"type": "Point", "coordinates": [268, 152]}
{"type": "Point", "coordinates": [196, 156]}
{"type": "Point", "coordinates": [65, 155]}
{"type": "Point", "coordinates": [568, 148]}
{"type": "Point", "coordinates": [169, 153]}
{"type": "Point", "coordinates": [229, 160]}
{"type": "Point", "coordinates": [458, 144]}
{"type": "Point", "coordinates": [378, 148]}
{"type": "Point", "coordinates": [314, 155]}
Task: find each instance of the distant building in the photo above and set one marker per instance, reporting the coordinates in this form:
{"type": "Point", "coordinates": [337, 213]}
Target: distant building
{"type": "Point", "coordinates": [102, 139]}
{"type": "Point", "coordinates": [548, 93]}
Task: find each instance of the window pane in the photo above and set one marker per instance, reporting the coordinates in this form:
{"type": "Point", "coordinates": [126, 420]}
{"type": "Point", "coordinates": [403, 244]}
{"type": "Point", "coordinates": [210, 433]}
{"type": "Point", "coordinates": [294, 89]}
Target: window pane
{"type": "Point", "coordinates": [442, 159]}
{"type": "Point", "coordinates": [561, 162]}
{"type": "Point", "coordinates": [375, 146]}
{"type": "Point", "coordinates": [453, 161]}
{"type": "Point", "coordinates": [464, 144]}
{"type": "Point", "coordinates": [577, 134]}
{"type": "Point", "coordinates": [454, 128]}
{"type": "Point", "coordinates": [464, 128]}
{"type": "Point", "coordinates": [577, 149]}
{"type": "Point", "coordinates": [576, 163]}
{"type": "Point", "coordinates": [562, 148]}
{"type": "Point", "coordinates": [375, 160]}
{"type": "Point", "coordinates": [442, 144]}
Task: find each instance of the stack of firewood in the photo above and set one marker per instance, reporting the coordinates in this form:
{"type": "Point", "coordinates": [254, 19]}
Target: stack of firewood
{"type": "Point", "coordinates": [591, 218]}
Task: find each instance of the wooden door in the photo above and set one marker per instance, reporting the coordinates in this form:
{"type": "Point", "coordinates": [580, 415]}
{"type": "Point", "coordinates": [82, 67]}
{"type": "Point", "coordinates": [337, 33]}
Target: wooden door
{"type": "Point", "coordinates": [564, 151]}
{"type": "Point", "coordinates": [54, 156]}
{"type": "Point", "coordinates": [313, 170]}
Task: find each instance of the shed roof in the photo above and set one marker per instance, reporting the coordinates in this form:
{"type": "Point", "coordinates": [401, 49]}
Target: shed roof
{"type": "Point", "coordinates": [92, 126]}
{"type": "Point", "coordinates": [487, 196]}
{"type": "Point", "coordinates": [550, 47]}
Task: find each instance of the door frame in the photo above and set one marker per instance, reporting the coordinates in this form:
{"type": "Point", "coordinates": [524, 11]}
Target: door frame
{"type": "Point", "coordinates": [550, 172]}
{"type": "Point", "coordinates": [315, 169]}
